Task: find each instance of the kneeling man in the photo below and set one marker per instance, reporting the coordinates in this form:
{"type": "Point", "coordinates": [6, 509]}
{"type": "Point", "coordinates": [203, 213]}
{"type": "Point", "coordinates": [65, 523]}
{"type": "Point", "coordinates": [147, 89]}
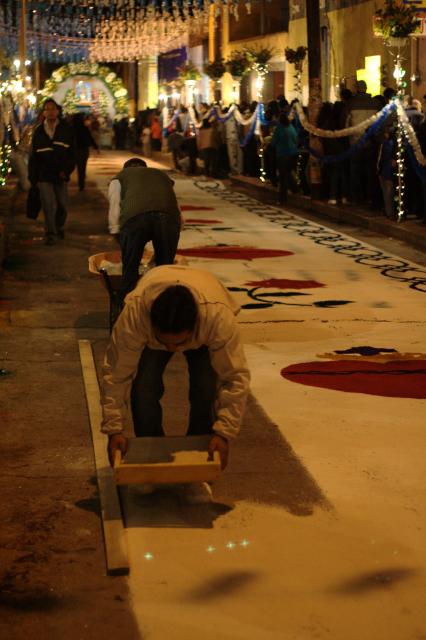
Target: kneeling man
{"type": "Point", "coordinates": [175, 308]}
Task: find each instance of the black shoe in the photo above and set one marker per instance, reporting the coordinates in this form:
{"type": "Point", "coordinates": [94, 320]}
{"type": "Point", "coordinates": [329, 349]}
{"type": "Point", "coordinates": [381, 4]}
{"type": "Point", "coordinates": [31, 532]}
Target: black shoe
{"type": "Point", "coordinates": [49, 240]}
{"type": "Point", "coordinates": [61, 234]}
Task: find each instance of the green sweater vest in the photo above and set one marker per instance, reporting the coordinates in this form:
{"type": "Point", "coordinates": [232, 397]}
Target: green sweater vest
{"type": "Point", "coordinates": [144, 189]}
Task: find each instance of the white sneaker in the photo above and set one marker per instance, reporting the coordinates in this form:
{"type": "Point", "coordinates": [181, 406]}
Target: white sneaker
{"type": "Point", "coordinates": [198, 493]}
{"type": "Point", "coordinates": [332, 201]}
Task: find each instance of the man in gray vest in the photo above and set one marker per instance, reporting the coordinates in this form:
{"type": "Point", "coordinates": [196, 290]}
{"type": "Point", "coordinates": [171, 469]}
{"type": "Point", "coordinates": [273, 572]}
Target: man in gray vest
{"type": "Point", "coordinates": [143, 208]}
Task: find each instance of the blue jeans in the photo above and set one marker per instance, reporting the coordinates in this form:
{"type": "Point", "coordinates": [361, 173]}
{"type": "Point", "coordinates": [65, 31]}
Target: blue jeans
{"type": "Point", "coordinates": [53, 196]}
{"type": "Point", "coordinates": [162, 229]}
{"type": "Point", "coordinates": [148, 389]}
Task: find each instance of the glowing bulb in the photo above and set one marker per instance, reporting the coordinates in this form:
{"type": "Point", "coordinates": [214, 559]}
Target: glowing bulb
{"type": "Point", "coordinates": [17, 63]}
{"type": "Point", "coordinates": [210, 549]}
{"type": "Point", "coordinates": [244, 543]}
{"type": "Point", "coordinates": [231, 545]}
{"type": "Point", "coordinates": [148, 556]}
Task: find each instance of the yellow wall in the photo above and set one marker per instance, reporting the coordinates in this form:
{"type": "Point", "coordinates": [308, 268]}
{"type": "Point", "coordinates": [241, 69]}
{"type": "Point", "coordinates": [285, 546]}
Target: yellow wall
{"type": "Point", "coordinates": [297, 37]}
{"type": "Point", "coordinates": [276, 41]}
{"type": "Point", "coordinates": [351, 40]}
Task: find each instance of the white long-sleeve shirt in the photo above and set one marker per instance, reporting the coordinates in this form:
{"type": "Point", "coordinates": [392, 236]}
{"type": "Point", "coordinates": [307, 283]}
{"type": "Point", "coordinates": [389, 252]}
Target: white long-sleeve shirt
{"type": "Point", "coordinates": [114, 197]}
{"type": "Point", "coordinates": [216, 328]}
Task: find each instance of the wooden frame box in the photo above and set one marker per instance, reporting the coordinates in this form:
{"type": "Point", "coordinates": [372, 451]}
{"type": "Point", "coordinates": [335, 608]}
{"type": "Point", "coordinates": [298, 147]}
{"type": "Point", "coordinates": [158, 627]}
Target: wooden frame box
{"type": "Point", "coordinates": [167, 460]}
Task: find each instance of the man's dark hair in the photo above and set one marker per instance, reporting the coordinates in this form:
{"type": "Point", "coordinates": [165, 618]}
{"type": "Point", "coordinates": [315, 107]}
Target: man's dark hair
{"type": "Point", "coordinates": [134, 162]}
{"type": "Point", "coordinates": [389, 93]}
{"type": "Point", "coordinates": [361, 86]}
{"type": "Point", "coordinates": [174, 310]}
{"type": "Point", "coordinates": [345, 94]}
{"type": "Point", "coordinates": [58, 106]}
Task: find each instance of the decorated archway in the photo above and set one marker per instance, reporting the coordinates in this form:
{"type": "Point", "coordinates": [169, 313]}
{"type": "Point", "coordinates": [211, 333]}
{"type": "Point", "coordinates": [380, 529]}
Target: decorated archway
{"type": "Point", "coordinates": [88, 86]}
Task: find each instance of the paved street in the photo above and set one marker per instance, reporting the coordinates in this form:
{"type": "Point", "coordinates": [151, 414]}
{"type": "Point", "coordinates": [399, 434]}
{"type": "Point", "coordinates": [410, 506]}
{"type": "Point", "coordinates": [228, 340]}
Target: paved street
{"type": "Point", "coordinates": [317, 528]}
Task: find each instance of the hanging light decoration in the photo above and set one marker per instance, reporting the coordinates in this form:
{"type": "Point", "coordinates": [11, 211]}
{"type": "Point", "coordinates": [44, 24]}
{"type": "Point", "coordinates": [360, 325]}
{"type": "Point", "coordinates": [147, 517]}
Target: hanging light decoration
{"type": "Point", "coordinates": [259, 59]}
{"type": "Point", "coordinates": [104, 30]}
{"type": "Point", "coordinates": [399, 74]}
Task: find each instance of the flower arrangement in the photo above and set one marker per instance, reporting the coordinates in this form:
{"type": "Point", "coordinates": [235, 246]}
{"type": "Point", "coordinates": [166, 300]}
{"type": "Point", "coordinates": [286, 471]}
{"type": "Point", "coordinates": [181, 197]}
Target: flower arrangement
{"type": "Point", "coordinates": [188, 72]}
{"type": "Point", "coordinates": [259, 58]}
{"type": "Point", "coordinates": [295, 56]}
{"type": "Point", "coordinates": [109, 78]}
{"type": "Point", "coordinates": [237, 64]}
{"type": "Point", "coordinates": [395, 20]}
{"type": "Point", "coordinates": [215, 69]}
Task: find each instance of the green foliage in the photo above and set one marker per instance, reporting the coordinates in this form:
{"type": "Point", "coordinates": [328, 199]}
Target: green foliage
{"type": "Point", "coordinates": [216, 69]}
{"type": "Point", "coordinates": [237, 64]}
{"type": "Point", "coordinates": [295, 56]}
{"type": "Point", "coordinates": [188, 72]}
{"type": "Point", "coordinates": [396, 20]}
{"type": "Point", "coordinates": [103, 104]}
{"type": "Point", "coordinates": [69, 103]}
{"type": "Point", "coordinates": [260, 56]}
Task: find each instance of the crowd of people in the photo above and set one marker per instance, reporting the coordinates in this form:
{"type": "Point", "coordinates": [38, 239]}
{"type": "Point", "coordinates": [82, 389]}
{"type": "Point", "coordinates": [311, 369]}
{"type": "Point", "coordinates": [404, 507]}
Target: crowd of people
{"type": "Point", "coordinates": [360, 173]}
{"type": "Point", "coordinates": [365, 177]}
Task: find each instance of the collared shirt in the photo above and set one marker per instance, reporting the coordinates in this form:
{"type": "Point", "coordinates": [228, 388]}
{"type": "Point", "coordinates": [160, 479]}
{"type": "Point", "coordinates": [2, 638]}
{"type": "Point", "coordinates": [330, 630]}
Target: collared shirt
{"type": "Point", "coordinates": [50, 130]}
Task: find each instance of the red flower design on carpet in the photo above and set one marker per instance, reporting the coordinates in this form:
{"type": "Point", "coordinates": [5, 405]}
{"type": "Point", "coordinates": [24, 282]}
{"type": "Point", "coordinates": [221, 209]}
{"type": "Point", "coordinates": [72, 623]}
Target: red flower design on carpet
{"type": "Point", "coordinates": [229, 252]}
{"type": "Point", "coordinates": [394, 379]}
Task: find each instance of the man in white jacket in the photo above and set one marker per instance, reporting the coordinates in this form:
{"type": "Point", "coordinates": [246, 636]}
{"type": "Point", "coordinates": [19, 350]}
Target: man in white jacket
{"type": "Point", "coordinates": [175, 308]}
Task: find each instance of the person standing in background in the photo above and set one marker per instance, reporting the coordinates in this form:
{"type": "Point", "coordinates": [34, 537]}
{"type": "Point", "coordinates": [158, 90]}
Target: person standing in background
{"type": "Point", "coordinates": [83, 141]}
{"type": "Point", "coordinates": [284, 140]}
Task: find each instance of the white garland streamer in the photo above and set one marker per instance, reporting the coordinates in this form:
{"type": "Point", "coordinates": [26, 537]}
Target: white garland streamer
{"type": "Point", "coordinates": [340, 133]}
{"type": "Point", "coordinates": [235, 112]}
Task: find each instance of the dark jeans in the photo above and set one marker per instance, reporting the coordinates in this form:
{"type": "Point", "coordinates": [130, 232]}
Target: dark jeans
{"type": "Point", "coordinates": [362, 174]}
{"type": "Point", "coordinates": [162, 229]}
{"type": "Point", "coordinates": [54, 198]}
{"type": "Point", "coordinates": [148, 389]}
{"type": "Point", "coordinates": [339, 187]}
{"type": "Point", "coordinates": [210, 156]}
{"type": "Point", "coordinates": [81, 156]}
{"type": "Point", "coordinates": [285, 166]}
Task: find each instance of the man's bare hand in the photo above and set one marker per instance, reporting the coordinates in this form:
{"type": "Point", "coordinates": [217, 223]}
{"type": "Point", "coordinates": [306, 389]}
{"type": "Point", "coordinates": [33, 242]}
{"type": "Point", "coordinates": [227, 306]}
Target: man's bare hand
{"type": "Point", "coordinates": [116, 442]}
{"type": "Point", "coordinates": [219, 444]}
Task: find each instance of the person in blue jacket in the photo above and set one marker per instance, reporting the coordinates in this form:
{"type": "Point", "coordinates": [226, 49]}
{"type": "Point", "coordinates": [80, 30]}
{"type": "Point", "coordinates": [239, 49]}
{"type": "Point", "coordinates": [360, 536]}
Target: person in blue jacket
{"type": "Point", "coordinates": [284, 141]}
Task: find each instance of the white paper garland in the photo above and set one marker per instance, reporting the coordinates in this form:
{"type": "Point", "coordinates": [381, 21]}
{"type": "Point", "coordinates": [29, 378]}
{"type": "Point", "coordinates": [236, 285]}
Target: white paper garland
{"type": "Point", "coordinates": [339, 133]}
